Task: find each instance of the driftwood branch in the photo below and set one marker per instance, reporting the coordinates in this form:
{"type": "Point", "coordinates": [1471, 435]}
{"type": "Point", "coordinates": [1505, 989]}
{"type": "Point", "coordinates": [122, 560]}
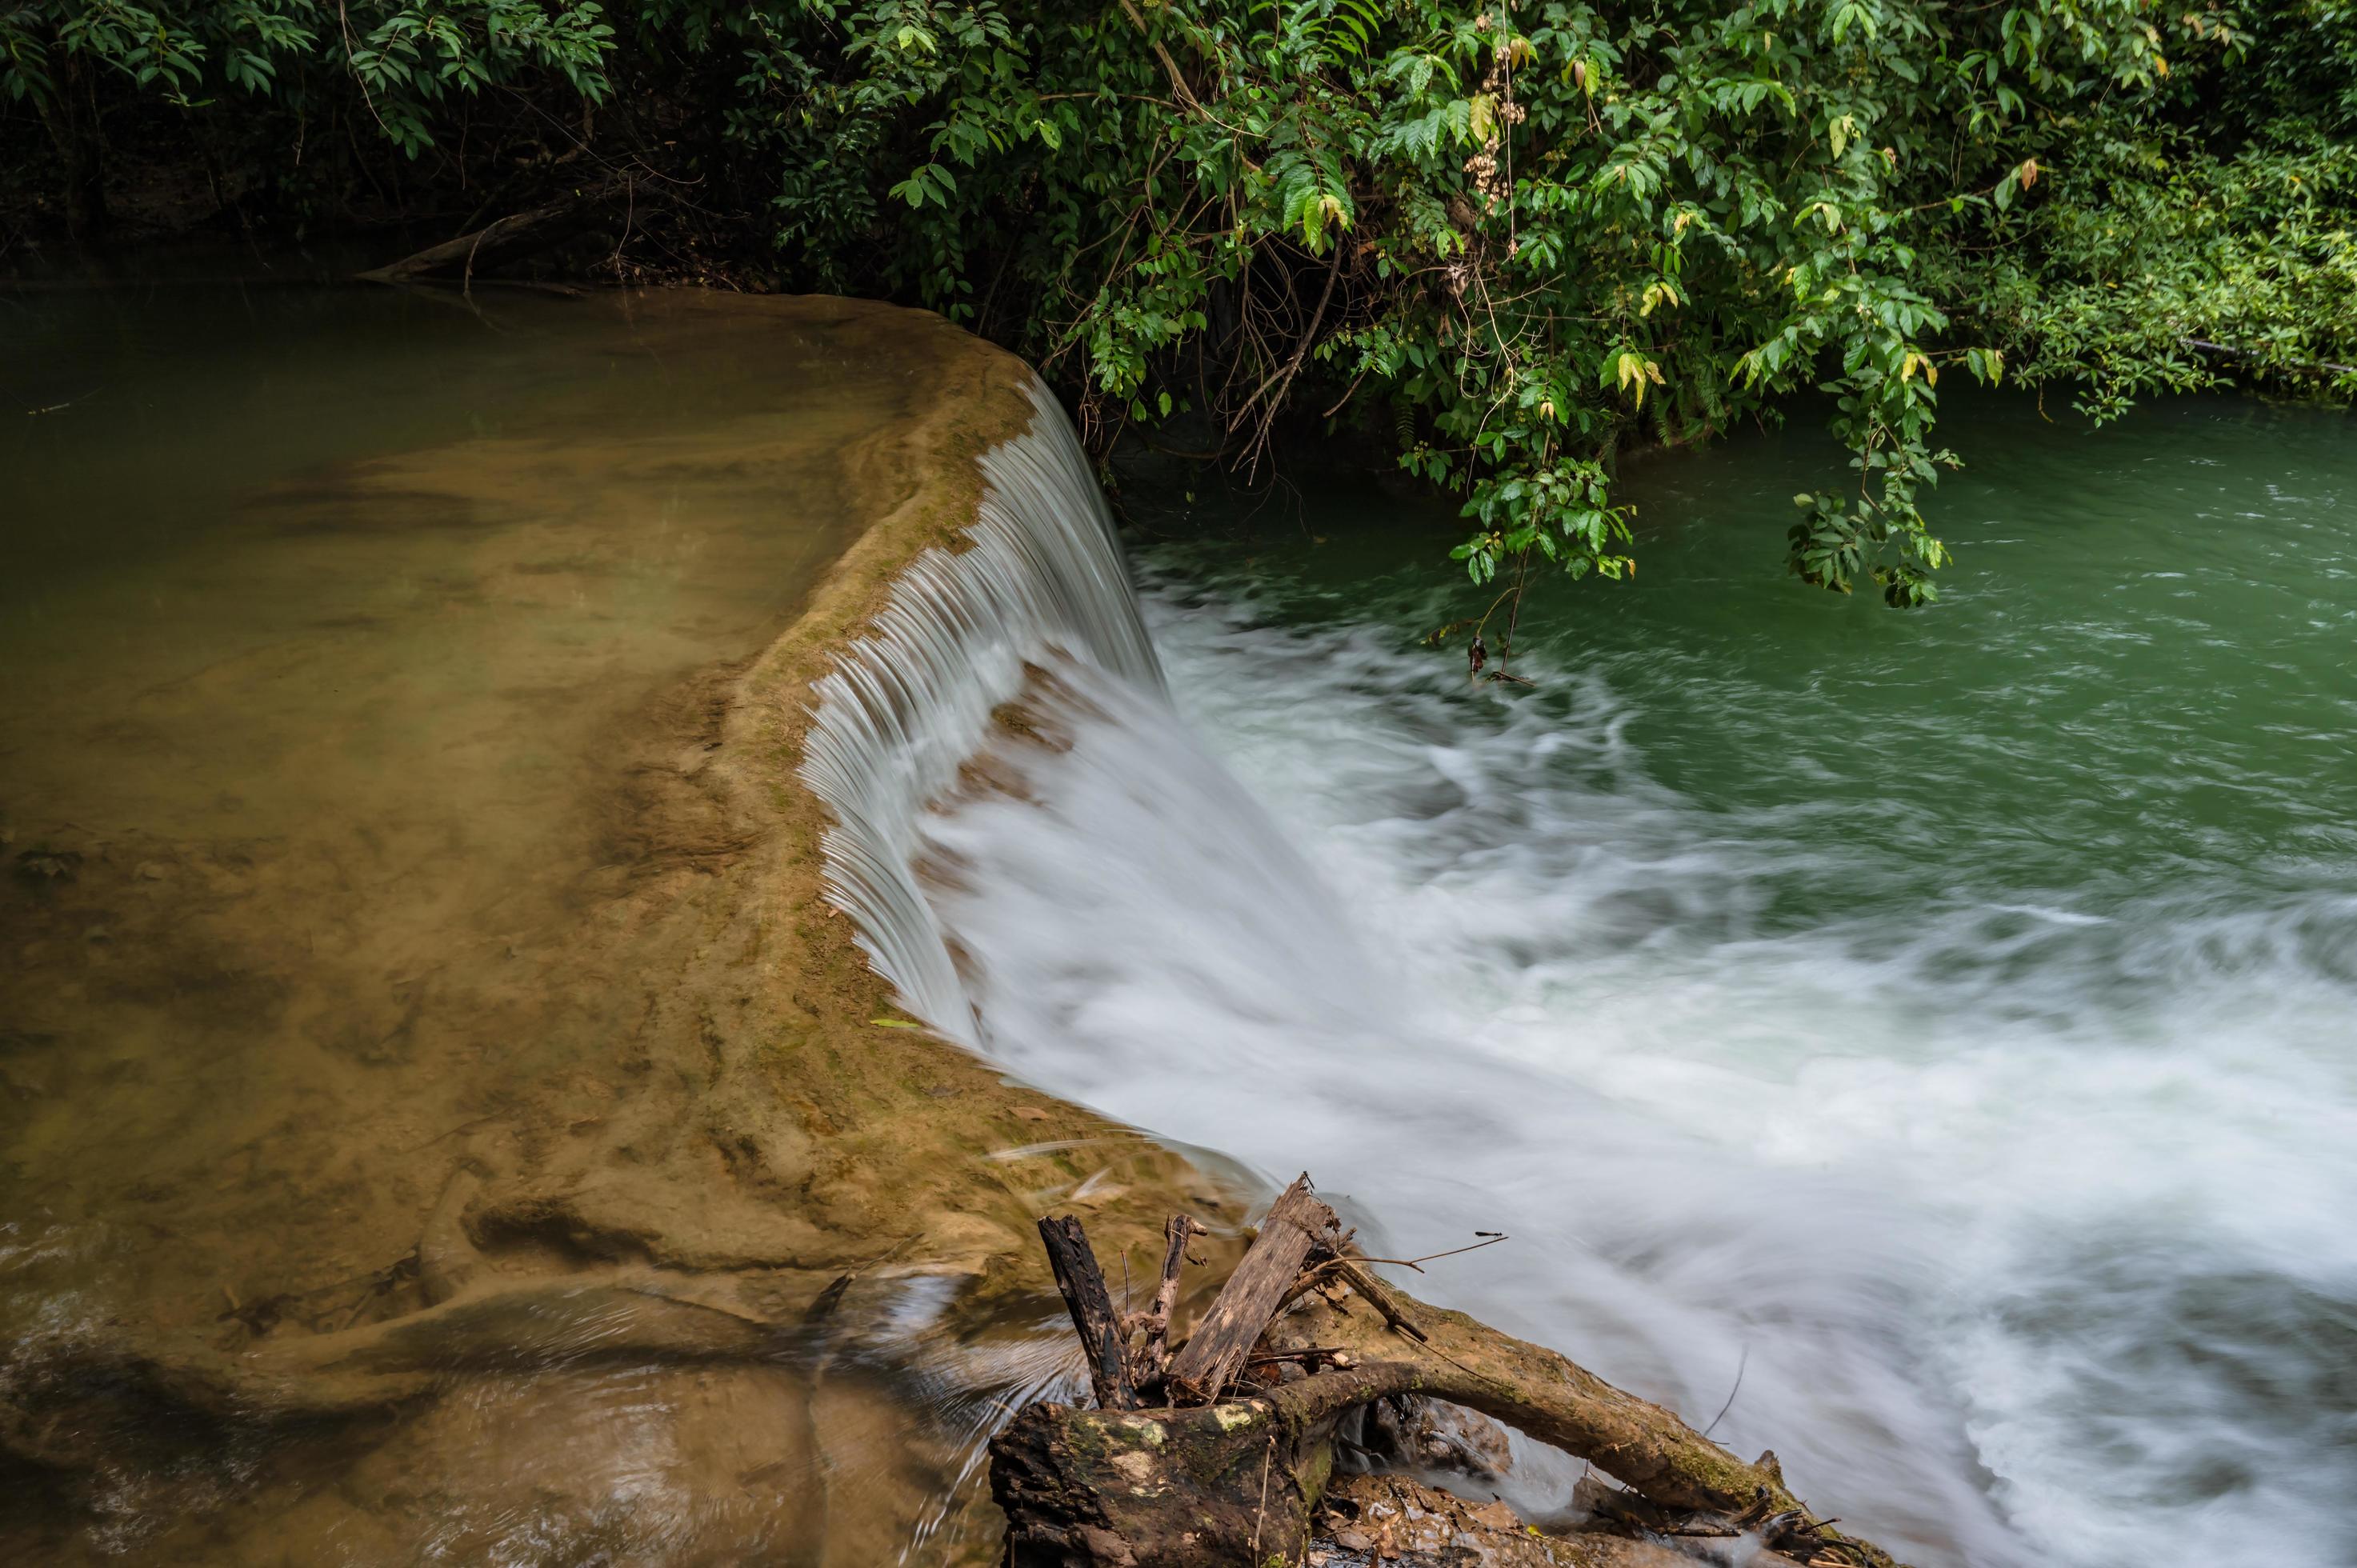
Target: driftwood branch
{"type": "Point", "coordinates": [505, 239]}
{"type": "Point", "coordinates": [1237, 1480]}
{"type": "Point", "coordinates": [1093, 1318]}
{"type": "Point", "coordinates": [1547, 1396]}
{"type": "Point", "coordinates": [1209, 1361]}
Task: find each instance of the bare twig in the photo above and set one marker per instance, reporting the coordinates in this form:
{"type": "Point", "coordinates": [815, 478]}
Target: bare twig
{"type": "Point", "coordinates": [1276, 384]}
{"type": "Point", "coordinates": [1742, 1362]}
{"type": "Point", "coordinates": [1178, 87]}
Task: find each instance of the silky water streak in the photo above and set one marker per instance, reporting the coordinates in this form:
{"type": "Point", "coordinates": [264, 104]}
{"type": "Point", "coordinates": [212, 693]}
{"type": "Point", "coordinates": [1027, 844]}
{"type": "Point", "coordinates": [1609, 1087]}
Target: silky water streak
{"type": "Point", "coordinates": [906, 706]}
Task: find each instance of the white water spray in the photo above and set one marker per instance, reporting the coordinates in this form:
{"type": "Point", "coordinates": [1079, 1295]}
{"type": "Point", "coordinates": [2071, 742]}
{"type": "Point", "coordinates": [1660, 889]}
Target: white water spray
{"type": "Point", "coordinates": [907, 705]}
{"type": "Point", "coordinates": [1944, 1199]}
{"type": "Point", "coordinates": [1148, 937]}
{"type": "Point", "coordinates": [1945, 1226]}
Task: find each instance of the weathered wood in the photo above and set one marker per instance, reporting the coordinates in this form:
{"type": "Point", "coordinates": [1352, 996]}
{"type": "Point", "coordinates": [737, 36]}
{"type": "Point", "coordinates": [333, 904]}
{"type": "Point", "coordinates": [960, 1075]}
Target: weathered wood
{"type": "Point", "coordinates": [1398, 1523]}
{"type": "Point", "coordinates": [1452, 1356]}
{"type": "Point", "coordinates": [1093, 1318]}
{"type": "Point", "coordinates": [1211, 1487]}
{"type": "Point", "coordinates": [504, 240]}
{"type": "Point", "coordinates": [1378, 1296]}
{"type": "Point", "coordinates": [1235, 1482]}
{"type": "Point", "coordinates": [1211, 1356]}
{"type": "Point", "coordinates": [1153, 1356]}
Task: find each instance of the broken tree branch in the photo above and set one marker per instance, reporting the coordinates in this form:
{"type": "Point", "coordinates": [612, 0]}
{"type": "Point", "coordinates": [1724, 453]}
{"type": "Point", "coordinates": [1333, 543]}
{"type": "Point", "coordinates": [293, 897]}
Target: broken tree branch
{"type": "Point", "coordinates": [1236, 1479]}
{"type": "Point", "coordinates": [504, 240]}
{"type": "Point", "coordinates": [1153, 1356]}
{"type": "Point", "coordinates": [1213, 1355]}
{"type": "Point", "coordinates": [1447, 1355]}
{"type": "Point", "coordinates": [1093, 1318]}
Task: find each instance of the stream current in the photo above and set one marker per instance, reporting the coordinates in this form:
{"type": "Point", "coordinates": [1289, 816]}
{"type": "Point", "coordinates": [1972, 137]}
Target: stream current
{"type": "Point", "coordinates": [1929, 1037]}
{"type": "Point", "coordinates": [1926, 1036]}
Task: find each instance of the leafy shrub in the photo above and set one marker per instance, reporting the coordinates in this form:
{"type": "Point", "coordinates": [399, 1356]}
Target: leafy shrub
{"type": "Point", "coordinates": [1514, 233]}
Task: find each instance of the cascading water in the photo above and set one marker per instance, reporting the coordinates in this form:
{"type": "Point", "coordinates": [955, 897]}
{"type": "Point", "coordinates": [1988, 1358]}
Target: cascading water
{"type": "Point", "coordinates": [1144, 939]}
{"type": "Point", "coordinates": [1998, 1179]}
{"type": "Point", "coordinates": [1147, 854]}
{"type": "Point", "coordinates": [906, 706]}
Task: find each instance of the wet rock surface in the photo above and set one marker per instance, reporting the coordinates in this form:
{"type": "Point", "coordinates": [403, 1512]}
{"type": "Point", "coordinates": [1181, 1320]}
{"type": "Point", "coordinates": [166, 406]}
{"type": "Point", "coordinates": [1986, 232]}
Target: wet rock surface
{"type": "Point", "coordinates": [1374, 1520]}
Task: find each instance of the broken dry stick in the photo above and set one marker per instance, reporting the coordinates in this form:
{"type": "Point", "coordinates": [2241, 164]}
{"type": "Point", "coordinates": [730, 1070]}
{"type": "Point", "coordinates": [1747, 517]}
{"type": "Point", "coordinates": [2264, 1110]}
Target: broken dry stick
{"type": "Point", "coordinates": [1153, 1357]}
{"type": "Point", "coordinates": [1213, 1355]}
{"type": "Point", "coordinates": [1093, 1318]}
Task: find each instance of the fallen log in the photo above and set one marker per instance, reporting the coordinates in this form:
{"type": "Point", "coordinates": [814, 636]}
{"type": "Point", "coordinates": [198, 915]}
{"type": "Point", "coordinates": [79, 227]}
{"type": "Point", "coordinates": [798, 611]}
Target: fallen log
{"type": "Point", "coordinates": [1237, 1480]}
{"type": "Point", "coordinates": [504, 241]}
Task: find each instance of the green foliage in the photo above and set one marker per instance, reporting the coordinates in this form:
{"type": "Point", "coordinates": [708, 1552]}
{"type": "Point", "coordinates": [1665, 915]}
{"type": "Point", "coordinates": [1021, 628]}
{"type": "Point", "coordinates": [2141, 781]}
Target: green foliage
{"type": "Point", "coordinates": [405, 60]}
{"type": "Point", "coordinates": [2217, 212]}
{"type": "Point", "coordinates": [1515, 236]}
{"type": "Point", "coordinates": [1548, 228]}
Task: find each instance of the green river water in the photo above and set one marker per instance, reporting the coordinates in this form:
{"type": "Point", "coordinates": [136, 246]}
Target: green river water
{"type": "Point", "coordinates": [1939, 1029]}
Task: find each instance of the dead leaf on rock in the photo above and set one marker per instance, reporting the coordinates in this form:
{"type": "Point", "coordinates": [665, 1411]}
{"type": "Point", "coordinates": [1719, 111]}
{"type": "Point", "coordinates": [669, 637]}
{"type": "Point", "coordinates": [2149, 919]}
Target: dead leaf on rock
{"type": "Point", "coordinates": [1495, 1516]}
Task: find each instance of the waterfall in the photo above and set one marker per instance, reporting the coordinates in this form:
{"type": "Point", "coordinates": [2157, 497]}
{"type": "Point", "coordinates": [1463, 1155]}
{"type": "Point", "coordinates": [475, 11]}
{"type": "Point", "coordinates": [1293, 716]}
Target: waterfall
{"type": "Point", "coordinates": [908, 705]}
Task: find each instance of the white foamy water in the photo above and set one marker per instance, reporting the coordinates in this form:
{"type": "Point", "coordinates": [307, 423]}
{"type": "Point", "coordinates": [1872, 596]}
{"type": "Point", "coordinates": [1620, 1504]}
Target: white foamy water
{"type": "Point", "coordinates": [2026, 1221]}
{"type": "Point", "coordinates": [909, 702]}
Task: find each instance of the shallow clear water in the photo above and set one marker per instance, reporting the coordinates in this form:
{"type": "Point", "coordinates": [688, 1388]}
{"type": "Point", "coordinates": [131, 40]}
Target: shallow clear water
{"type": "Point", "coordinates": [360, 651]}
{"type": "Point", "coordinates": [1937, 1031]}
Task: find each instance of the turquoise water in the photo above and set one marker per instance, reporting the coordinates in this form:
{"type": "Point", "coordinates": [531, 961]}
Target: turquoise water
{"type": "Point", "coordinates": [1936, 1029]}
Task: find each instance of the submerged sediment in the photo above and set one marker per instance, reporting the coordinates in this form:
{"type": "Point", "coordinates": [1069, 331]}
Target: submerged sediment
{"type": "Point", "coordinates": [651, 1220]}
